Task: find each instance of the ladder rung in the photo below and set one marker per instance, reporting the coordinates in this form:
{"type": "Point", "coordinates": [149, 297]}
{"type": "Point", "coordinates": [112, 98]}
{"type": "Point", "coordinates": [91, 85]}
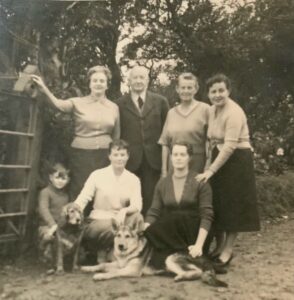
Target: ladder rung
{"type": "Point", "coordinates": [9, 132]}
{"type": "Point", "coordinates": [14, 94]}
{"type": "Point", "coordinates": [4, 238]}
{"type": "Point", "coordinates": [15, 167]}
{"type": "Point", "coordinates": [2, 191]}
{"type": "Point", "coordinates": [9, 215]}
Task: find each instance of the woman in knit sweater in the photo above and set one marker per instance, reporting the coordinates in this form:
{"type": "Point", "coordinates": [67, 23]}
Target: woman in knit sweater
{"type": "Point", "coordinates": [187, 122]}
{"type": "Point", "coordinates": [181, 212]}
{"type": "Point", "coordinates": [96, 124]}
{"type": "Point", "coordinates": [231, 169]}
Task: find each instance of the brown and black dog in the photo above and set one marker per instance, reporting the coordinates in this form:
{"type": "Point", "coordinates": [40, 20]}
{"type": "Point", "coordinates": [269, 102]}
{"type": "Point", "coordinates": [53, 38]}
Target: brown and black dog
{"type": "Point", "coordinates": [132, 253]}
{"type": "Point", "coordinates": [68, 237]}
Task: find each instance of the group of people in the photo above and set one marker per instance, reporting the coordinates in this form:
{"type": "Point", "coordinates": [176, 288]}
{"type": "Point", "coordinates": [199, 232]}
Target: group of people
{"type": "Point", "coordinates": [188, 170]}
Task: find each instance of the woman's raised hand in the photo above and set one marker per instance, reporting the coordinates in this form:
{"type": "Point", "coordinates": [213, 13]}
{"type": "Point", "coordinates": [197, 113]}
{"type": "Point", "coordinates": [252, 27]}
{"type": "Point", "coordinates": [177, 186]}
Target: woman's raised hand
{"type": "Point", "coordinates": [39, 81]}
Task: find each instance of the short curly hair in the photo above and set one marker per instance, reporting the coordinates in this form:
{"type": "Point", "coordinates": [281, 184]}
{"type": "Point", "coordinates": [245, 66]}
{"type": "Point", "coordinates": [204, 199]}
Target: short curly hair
{"type": "Point", "coordinates": [188, 147]}
{"type": "Point", "coordinates": [99, 69]}
{"type": "Point", "coordinates": [217, 78]}
{"type": "Point", "coordinates": [188, 76]}
{"type": "Point", "coordinates": [119, 145]}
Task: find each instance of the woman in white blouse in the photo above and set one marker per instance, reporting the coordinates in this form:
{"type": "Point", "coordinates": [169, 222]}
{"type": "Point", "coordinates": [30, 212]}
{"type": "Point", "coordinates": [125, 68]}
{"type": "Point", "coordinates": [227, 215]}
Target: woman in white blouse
{"type": "Point", "coordinates": [231, 169]}
{"type": "Point", "coordinates": [115, 193]}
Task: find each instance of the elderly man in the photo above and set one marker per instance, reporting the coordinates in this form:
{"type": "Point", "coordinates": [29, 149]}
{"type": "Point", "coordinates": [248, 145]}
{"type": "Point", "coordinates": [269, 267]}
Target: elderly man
{"type": "Point", "coordinates": [142, 116]}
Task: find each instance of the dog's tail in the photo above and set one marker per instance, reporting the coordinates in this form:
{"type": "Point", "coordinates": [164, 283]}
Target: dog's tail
{"type": "Point", "coordinates": [209, 278]}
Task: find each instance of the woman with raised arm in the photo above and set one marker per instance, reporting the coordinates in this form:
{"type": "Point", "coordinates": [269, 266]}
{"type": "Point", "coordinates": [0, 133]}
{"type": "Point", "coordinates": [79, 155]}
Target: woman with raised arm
{"type": "Point", "coordinates": [96, 124]}
{"type": "Point", "coordinates": [231, 171]}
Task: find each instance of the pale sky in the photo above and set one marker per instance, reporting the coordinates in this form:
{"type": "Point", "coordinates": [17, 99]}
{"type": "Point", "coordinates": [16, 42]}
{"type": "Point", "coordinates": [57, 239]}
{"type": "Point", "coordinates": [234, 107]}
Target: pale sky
{"type": "Point", "coordinates": [163, 78]}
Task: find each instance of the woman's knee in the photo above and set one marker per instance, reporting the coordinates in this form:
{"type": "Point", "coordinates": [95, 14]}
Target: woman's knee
{"type": "Point", "coordinates": [96, 227]}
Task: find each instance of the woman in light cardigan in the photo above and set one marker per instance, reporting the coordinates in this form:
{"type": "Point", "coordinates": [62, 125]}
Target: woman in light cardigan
{"type": "Point", "coordinates": [231, 171]}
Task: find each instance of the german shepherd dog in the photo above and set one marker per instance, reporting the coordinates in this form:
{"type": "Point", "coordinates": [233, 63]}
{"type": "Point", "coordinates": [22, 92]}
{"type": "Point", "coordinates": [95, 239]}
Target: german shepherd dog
{"type": "Point", "coordinates": [132, 253]}
{"type": "Point", "coordinates": [68, 237]}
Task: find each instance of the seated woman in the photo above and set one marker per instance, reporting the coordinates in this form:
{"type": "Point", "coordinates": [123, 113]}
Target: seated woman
{"type": "Point", "coordinates": [115, 192]}
{"type": "Point", "coordinates": [181, 212]}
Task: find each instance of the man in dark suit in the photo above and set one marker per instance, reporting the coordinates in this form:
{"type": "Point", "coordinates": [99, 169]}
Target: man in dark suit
{"type": "Point", "coordinates": [142, 116]}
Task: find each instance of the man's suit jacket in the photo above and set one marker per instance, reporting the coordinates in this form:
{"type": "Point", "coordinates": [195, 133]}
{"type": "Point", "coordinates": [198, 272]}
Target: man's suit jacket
{"type": "Point", "coordinates": [142, 130]}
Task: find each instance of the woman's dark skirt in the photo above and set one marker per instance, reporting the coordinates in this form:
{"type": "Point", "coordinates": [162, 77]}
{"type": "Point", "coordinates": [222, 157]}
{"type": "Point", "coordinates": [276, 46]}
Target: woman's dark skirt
{"type": "Point", "coordinates": [234, 193]}
{"type": "Point", "coordinates": [170, 234]}
{"type": "Point", "coordinates": [82, 163]}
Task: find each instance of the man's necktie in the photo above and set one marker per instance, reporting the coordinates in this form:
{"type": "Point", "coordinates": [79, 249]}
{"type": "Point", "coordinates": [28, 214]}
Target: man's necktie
{"type": "Point", "coordinates": [140, 103]}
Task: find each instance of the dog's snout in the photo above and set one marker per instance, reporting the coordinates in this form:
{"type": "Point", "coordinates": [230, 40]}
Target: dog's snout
{"type": "Point", "coordinates": [121, 247]}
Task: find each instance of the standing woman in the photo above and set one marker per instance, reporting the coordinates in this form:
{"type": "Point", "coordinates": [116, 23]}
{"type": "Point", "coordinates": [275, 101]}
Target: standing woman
{"type": "Point", "coordinates": [231, 170]}
{"type": "Point", "coordinates": [187, 123]}
{"type": "Point", "coordinates": [96, 124]}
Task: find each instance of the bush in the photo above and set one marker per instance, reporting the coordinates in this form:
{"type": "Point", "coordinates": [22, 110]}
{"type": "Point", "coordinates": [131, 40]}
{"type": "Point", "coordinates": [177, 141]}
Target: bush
{"type": "Point", "coordinates": [269, 154]}
{"type": "Point", "coordinates": [275, 194]}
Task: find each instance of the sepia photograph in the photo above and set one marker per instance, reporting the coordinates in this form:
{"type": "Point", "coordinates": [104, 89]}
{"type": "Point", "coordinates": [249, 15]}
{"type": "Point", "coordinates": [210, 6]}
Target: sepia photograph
{"type": "Point", "coordinates": [146, 149]}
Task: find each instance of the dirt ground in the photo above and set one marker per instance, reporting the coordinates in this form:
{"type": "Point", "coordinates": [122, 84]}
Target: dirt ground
{"type": "Point", "coordinates": [263, 268]}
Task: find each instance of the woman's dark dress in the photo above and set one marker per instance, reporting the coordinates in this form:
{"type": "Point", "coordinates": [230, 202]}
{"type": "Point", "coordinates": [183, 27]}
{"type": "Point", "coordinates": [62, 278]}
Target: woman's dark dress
{"type": "Point", "coordinates": [174, 226]}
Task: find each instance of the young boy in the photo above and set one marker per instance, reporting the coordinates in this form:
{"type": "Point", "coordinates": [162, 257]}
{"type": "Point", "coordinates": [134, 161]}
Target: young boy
{"type": "Point", "coordinates": [51, 201]}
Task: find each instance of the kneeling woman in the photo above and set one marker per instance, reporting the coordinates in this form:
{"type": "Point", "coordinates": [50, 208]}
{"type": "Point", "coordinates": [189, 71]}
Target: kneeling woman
{"type": "Point", "coordinates": [116, 193]}
{"type": "Point", "coordinates": [181, 212]}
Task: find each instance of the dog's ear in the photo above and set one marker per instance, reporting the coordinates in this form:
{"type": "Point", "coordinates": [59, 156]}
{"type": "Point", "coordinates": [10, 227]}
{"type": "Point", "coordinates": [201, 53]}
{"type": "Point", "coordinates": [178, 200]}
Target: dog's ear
{"type": "Point", "coordinates": [115, 225]}
{"type": "Point", "coordinates": [79, 209]}
{"type": "Point", "coordinates": [136, 223]}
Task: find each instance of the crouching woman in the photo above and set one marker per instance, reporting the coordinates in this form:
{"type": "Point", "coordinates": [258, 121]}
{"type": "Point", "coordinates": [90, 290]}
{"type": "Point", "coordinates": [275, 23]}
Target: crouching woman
{"type": "Point", "coordinates": [181, 212]}
{"type": "Point", "coordinates": [116, 193]}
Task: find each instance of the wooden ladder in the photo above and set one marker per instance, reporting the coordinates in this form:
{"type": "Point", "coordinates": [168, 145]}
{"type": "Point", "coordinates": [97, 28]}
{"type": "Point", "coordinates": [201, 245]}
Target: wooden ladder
{"type": "Point", "coordinates": [17, 200]}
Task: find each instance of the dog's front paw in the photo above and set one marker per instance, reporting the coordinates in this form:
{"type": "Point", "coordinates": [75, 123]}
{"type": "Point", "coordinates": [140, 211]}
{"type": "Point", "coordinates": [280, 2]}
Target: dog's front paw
{"type": "Point", "coordinates": [100, 276]}
{"type": "Point", "coordinates": [179, 278]}
{"type": "Point", "coordinates": [88, 269]}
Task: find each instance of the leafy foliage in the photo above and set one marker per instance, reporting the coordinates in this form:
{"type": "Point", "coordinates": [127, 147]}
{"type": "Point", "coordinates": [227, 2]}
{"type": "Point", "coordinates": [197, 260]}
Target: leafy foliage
{"type": "Point", "coordinates": [251, 42]}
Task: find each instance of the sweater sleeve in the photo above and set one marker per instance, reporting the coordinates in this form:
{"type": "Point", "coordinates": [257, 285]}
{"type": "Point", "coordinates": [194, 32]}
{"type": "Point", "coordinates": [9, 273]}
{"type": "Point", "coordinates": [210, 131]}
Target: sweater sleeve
{"type": "Point", "coordinates": [157, 204]}
{"type": "Point", "coordinates": [88, 192]}
{"type": "Point", "coordinates": [136, 197]}
{"type": "Point", "coordinates": [233, 128]}
{"type": "Point", "coordinates": [205, 206]}
{"type": "Point", "coordinates": [44, 208]}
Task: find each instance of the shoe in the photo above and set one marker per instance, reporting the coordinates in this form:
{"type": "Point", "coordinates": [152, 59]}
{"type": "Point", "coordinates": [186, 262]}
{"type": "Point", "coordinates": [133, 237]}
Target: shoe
{"type": "Point", "coordinates": [213, 256]}
{"type": "Point", "coordinates": [221, 263]}
{"type": "Point", "coordinates": [220, 269]}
